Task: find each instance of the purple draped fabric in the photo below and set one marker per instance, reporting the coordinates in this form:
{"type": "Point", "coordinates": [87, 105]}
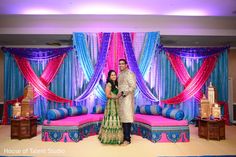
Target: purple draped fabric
{"type": "Point", "coordinates": [134, 67]}
{"type": "Point", "coordinates": [37, 53]}
{"type": "Point", "coordinates": [98, 68]}
{"type": "Point", "coordinates": [195, 52]}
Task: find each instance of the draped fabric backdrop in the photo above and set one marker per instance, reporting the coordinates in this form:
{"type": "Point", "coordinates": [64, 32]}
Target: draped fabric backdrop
{"type": "Point", "coordinates": [81, 76]}
{"type": "Point", "coordinates": [15, 82]}
{"type": "Point", "coordinates": [170, 85]}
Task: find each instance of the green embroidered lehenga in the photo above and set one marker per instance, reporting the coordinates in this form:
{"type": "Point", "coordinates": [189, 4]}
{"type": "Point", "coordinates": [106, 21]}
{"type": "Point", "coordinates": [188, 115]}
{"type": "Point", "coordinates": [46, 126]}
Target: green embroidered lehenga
{"type": "Point", "coordinates": [111, 131]}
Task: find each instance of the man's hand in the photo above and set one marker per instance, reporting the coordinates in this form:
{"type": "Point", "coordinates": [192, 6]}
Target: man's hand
{"type": "Point", "coordinates": [123, 94]}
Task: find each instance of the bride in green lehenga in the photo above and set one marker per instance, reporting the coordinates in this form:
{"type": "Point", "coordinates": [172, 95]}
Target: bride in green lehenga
{"type": "Point", "coordinates": [111, 131]}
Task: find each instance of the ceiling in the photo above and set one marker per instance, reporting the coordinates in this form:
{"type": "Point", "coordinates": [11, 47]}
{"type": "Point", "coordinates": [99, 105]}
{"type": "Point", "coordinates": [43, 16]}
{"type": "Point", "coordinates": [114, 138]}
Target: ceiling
{"type": "Point", "coordinates": [181, 23]}
{"type": "Point", "coordinates": [121, 7]}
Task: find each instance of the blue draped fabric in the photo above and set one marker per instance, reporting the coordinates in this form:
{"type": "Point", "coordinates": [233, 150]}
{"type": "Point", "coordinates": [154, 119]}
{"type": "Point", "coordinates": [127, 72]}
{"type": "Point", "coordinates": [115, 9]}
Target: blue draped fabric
{"type": "Point", "coordinates": [14, 81]}
{"type": "Point", "coordinates": [81, 46]}
{"type": "Point", "coordinates": [134, 67]}
{"type": "Point", "coordinates": [99, 66]}
{"type": "Point", "coordinates": [219, 77]}
{"type": "Point", "coordinates": [152, 41]}
{"type": "Point", "coordinates": [147, 56]}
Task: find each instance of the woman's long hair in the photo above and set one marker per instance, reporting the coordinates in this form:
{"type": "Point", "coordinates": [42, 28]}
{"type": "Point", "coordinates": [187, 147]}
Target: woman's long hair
{"type": "Point", "coordinates": [114, 85]}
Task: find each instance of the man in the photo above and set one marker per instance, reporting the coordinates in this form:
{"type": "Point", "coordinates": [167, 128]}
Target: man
{"type": "Point", "coordinates": [126, 86]}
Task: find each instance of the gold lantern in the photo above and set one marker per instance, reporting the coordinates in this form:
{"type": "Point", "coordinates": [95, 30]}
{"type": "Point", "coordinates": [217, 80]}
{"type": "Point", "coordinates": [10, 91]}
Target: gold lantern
{"type": "Point", "coordinates": [205, 110]}
{"type": "Point", "coordinates": [27, 104]}
{"type": "Point", "coordinates": [216, 112]}
{"type": "Point", "coordinates": [16, 110]}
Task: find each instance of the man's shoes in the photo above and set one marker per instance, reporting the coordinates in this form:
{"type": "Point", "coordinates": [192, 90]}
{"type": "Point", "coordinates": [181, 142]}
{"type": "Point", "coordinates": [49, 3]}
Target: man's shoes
{"type": "Point", "coordinates": [125, 143]}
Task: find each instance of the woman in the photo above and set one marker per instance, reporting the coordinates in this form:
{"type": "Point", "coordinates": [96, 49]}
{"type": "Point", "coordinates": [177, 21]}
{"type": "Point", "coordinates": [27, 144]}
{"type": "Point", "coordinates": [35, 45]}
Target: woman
{"type": "Point", "coordinates": [111, 131]}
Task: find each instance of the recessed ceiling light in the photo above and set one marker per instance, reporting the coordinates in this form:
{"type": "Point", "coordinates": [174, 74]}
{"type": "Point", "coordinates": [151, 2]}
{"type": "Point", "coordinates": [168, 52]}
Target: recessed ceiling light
{"type": "Point", "coordinates": [188, 12]}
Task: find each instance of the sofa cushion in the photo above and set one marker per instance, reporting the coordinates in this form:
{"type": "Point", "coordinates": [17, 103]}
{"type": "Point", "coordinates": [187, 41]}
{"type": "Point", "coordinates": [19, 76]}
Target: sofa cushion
{"type": "Point", "coordinates": [150, 109]}
{"type": "Point", "coordinates": [173, 113]}
{"type": "Point", "coordinates": [154, 120]}
{"type": "Point", "coordinates": [54, 114]}
{"type": "Point", "coordinates": [98, 109]}
{"type": "Point", "coordinates": [77, 110]}
{"type": "Point", "coordinates": [75, 120]}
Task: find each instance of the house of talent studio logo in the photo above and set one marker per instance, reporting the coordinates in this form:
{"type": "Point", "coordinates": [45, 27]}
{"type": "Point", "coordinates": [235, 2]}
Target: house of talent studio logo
{"type": "Point", "coordinates": [18, 151]}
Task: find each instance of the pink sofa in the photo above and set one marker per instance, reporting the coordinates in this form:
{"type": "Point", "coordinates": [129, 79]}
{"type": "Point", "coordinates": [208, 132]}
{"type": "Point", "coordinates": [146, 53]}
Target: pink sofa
{"type": "Point", "coordinates": [153, 128]}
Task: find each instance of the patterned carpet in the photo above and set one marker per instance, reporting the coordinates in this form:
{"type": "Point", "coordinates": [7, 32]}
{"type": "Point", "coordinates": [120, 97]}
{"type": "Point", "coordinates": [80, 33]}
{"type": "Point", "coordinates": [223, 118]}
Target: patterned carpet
{"type": "Point", "coordinates": [139, 147]}
{"type": "Point", "coordinates": [165, 156]}
{"type": "Point", "coordinates": [204, 156]}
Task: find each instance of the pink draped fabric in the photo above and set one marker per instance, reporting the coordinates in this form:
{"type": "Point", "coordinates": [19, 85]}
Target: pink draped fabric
{"type": "Point", "coordinates": [40, 84]}
{"type": "Point", "coordinates": [195, 84]}
{"type": "Point", "coordinates": [47, 76]}
{"type": "Point", "coordinates": [50, 71]}
{"type": "Point", "coordinates": [120, 51]}
{"type": "Point", "coordinates": [111, 53]}
{"type": "Point", "coordinates": [182, 74]}
{"type": "Point", "coordinates": [116, 52]}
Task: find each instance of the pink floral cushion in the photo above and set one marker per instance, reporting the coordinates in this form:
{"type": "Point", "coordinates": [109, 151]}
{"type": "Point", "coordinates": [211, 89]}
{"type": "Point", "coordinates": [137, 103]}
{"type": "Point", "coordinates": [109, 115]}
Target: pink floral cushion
{"type": "Point", "coordinates": [153, 120]}
{"type": "Point", "coordinates": [90, 118]}
{"type": "Point", "coordinates": [75, 121]}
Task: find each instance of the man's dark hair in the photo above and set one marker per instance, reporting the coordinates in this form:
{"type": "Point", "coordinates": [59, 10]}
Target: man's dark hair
{"type": "Point", "coordinates": [124, 60]}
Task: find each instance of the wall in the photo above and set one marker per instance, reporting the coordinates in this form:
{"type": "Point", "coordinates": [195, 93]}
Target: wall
{"type": "Point", "coordinates": [167, 25]}
{"type": "Point", "coordinates": [1, 76]}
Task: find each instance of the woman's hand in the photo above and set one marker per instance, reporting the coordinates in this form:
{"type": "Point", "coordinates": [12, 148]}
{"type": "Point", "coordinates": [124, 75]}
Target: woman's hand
{"type": "Point", "coordinates": [119, 95]}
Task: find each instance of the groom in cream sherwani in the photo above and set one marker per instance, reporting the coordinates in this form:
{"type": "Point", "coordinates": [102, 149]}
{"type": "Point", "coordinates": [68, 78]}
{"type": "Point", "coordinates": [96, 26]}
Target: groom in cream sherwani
{"type": "Point", "coordinates": [126, 86]}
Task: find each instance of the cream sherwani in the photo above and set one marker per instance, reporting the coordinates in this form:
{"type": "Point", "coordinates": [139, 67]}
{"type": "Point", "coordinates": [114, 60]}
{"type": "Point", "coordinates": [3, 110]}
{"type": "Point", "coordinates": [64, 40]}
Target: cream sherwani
{"type": "Point", "coordinates": [127, 84]}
